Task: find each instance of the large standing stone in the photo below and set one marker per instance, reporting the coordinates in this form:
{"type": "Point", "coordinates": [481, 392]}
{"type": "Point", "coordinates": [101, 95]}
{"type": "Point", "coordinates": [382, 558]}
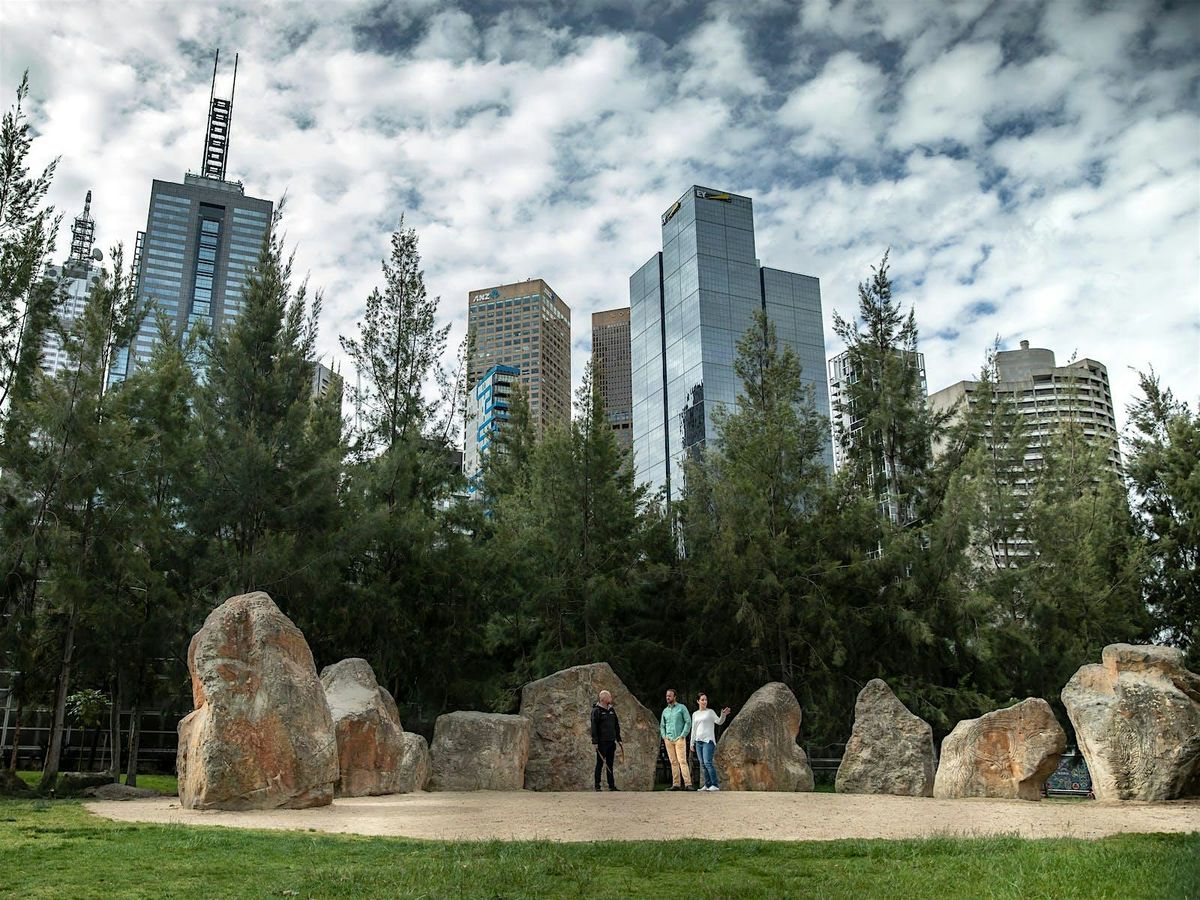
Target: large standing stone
{"type": "Point", "coordinates": [476, 751]}
{"type": "Point", "coordinates": [1137, 721]}
{"type": "Point", "coordinates": [370, 741]}
{"type": "Point", "coordinates": [1007, 753]}
{"type": "Point", "coordinates": [758, 751]}
{"type": "Point", "coordinates": [561, 756]}
{"type": "Point", "coordinates": [890, 750]}
{"type": "Point", "coordinates": [261, 736]}
{"type": "Point", "coordinates": [414, 764]}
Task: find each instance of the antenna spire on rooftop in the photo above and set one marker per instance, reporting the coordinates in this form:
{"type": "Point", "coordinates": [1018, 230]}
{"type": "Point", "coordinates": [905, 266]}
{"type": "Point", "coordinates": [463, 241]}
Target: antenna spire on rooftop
{"type": "Point", "coordinates": [83, 233]}
{"type": "Point", "coordinates": [220, 119]}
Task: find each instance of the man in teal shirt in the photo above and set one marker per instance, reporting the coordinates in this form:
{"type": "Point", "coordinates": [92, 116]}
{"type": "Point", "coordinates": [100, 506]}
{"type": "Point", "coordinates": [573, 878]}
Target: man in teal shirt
{"type": "Point", "coordinates": [673, 728]}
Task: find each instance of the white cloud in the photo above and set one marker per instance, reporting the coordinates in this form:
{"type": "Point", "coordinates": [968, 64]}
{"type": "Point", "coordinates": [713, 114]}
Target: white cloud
{"type": "Point", "coordinates": [525, 145]}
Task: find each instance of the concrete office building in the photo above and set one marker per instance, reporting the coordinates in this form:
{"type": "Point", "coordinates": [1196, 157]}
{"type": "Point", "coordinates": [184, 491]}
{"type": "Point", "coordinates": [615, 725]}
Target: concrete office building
{"type": "Point", "coordinates": [610, 360]}
{"type": "Point", "coordinates": [487, 411]}
{"type": "Point", "coordinates": [202, 240]}
{"type": "Point", "coordinates": [689, 306]}
{"type": "Point", "coordinates": [326, 381]}
{"type": "Point", "coordinates": [75, 279]}
{"type": "Point", "coordinates": [528, 327]}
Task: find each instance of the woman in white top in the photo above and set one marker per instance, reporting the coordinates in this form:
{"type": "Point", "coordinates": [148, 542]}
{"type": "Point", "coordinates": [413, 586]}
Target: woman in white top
{"type": "Point", "coordinates": [704, 741]}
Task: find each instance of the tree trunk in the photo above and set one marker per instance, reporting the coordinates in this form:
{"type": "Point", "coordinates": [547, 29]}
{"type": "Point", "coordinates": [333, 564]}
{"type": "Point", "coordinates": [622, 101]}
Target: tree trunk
{"type": "Point", "coordinates": [114, 729]}
{"type": "Point", "coordinates": [54, 751]}
{"type": "Point", "coordinates": [135, 737]}
{"type": "Point", "coordinates": [12, 762]}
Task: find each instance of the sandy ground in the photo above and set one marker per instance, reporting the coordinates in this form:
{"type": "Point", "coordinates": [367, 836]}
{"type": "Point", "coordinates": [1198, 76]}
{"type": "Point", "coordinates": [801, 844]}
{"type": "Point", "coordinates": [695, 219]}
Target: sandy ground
{"type": "Point", "coordinates": [589, 816]}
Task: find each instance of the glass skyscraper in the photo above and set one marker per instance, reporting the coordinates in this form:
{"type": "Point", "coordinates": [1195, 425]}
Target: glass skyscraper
{"type": "Point", "coordinates": [689, 306]}
{"type": "Point", "coordinates": [201, 243]}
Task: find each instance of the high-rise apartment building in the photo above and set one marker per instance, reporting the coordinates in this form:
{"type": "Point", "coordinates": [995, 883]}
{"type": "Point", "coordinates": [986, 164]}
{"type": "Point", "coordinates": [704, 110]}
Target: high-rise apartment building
{"type": "Point", "coordinates": [610, 364]}
{"type": "Point", "coordinates": [487, 411]}
{"type": "Point", "coordinates": [75, 278]}
{"type": "Point", "coordinates": [689, 306]}
{"type": "Point", "coordinates": [1046, 396]}
{"type": "Point", "coordinates": [528, 327]}
{"type": "Point", "coordinates": [326, 381]}
{"type": "Point", "coordinates": [202, 240]}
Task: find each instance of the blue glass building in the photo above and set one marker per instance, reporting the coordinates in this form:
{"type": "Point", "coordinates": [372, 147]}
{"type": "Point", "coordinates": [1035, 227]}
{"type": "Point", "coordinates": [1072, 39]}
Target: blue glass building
{"type": "Point", "coordinates": [689, 306]}
{"type": "Point", "coordinates": [201, 242]}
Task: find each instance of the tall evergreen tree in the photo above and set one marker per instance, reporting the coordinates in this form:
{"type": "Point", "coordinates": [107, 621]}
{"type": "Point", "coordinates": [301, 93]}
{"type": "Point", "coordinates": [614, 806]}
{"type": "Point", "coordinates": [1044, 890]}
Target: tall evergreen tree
{"type": "Point", "coordinates": [1163, 465]}
{"type": "Point", "coordinates": [27, 230]}
{"type": "Point", "coordinates": [889, 447]}
{"type": "Point", "coordinates": [270, 451]}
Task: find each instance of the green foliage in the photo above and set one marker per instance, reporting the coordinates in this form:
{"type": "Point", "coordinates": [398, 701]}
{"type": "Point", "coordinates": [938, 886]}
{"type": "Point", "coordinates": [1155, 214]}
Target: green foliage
{"type": "Point", "coordinates": [1163, 466]}
{"type": "Point", "coordinates": [87, 707]}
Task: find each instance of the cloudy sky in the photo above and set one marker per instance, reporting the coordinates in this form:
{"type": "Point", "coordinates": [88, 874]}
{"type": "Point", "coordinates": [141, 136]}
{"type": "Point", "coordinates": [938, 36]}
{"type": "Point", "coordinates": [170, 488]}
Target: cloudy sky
{"type": "Point", "coordinates": [1034, 166]}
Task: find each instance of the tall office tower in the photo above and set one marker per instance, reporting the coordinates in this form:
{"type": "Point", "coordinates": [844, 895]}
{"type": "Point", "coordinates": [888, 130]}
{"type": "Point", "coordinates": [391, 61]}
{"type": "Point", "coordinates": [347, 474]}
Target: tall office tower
{"type": "Point", "coordinates": [689, 306]}
{"type": "Point", "coordinates": [1046, 396]}
{"type": "Point", "coordinates": [610, 360]}
{"type": "Point", "coordinates": [846, 422]}
{"type": "Point", "coordinates": [201, 243]}
{"type": "Point", "coordinates": [487, 411]}
{"type": "Point", "coordinates": [527, 326]}
{"type": "Point", "coordinates": [75, 277]}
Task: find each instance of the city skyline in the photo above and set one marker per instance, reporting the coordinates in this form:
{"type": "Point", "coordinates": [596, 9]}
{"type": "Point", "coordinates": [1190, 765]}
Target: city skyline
{"type": "Point", "coordinates": [1034, 168]}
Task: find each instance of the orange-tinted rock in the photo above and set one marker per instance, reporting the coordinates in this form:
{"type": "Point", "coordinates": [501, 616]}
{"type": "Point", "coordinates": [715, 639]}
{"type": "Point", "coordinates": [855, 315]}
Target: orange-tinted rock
{"type": "Point", "coordinates": [260, 736]}
{"type": "Point", "coordinates": [1007, 753]}
{"type": "Point", "coordinates": [370, 741]}
{"type": "Point", "coordinates": [758, 751]}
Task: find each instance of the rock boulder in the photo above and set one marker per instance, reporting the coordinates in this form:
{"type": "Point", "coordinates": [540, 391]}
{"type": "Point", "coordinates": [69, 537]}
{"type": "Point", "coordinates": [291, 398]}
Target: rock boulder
{"type": "Point", "coordinates": [1137, 721]}
{"type": "Point", "coordinates": [1007, 753]}
{"type": "Point", "coordinates": [260, 736]}
{"type": "Point", "coordinates": [476, 751]}
{"type": "Point", "coordinates": [370, 741]}
{"type": "Point", "coordinates": [414, 764]}
{"type": "Point", "coordinates": [561, 756]}
{"type": "Point", "coordinates": [758, 751]}
{"type": "Point", "coordinates": [890, 750]}
{"type": "Point", "coordinates": [120, 792]}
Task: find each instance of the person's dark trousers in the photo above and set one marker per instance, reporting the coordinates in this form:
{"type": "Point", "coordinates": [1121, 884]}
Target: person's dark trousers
{"type": "Point", "coordinates": [605, 754]}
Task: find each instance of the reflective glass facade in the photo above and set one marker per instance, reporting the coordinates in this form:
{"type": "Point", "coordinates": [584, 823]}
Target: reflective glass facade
{"type": "Point", "coordinates": [202, 241]}
{"type": "Point", "coordinates": [689, 305]}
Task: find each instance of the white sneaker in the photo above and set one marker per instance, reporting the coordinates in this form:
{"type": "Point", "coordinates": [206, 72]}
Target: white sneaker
{"type": "Point", "coordinates": [713, 788]}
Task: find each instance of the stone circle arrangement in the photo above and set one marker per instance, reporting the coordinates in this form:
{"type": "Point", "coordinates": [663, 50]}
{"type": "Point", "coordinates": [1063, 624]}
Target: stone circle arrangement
{"type": "Point", "coordinates": [268, 733]}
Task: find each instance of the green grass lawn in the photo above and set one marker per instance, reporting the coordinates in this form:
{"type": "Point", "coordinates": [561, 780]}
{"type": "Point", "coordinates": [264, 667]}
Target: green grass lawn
{"type": "Point", "coordinates": [58, 849]}
{"type": "Point", "coordinates": [164, 784]}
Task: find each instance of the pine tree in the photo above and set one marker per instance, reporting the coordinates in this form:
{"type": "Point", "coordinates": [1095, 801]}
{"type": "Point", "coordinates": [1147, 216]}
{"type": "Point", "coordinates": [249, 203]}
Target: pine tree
{"type": "Point", "coordinates": [27, 230]}
{"type": "Point", "coordinates": [270, 452]}
{"type": "Point", "coordinates": [1164, 471]}
{"type": "Point", "coordinates": [889, 447]}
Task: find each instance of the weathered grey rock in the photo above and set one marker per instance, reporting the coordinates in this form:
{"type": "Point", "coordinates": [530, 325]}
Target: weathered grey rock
{"type": "Point", "coordinates": [370, 741]}
{"type": "Point", "coordinates": [758, 751]}
{"type": "Point", "coordinates": [120, 792]}
{"type": "Point", "coordinates": [73, 784]}
{"type": "Point", "coordinates": [1007, 753]}
{"type": "Point", "coordinates": [561, 755]}
{"type": "Point", "coordinates": [1137, 721]}
{"type": "Point", "coordinates": [476, 751]}
{"type": "Point", "coordinates": [890, 750]}
{"type": "Point", "coordinates": [260, 736]}
{"type": "Point", "coordinates": [414, 764]}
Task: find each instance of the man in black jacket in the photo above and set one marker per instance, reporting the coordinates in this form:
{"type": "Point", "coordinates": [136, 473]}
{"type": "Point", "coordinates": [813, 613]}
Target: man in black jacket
{"type": "Point", "coordinates": [606, 735]}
